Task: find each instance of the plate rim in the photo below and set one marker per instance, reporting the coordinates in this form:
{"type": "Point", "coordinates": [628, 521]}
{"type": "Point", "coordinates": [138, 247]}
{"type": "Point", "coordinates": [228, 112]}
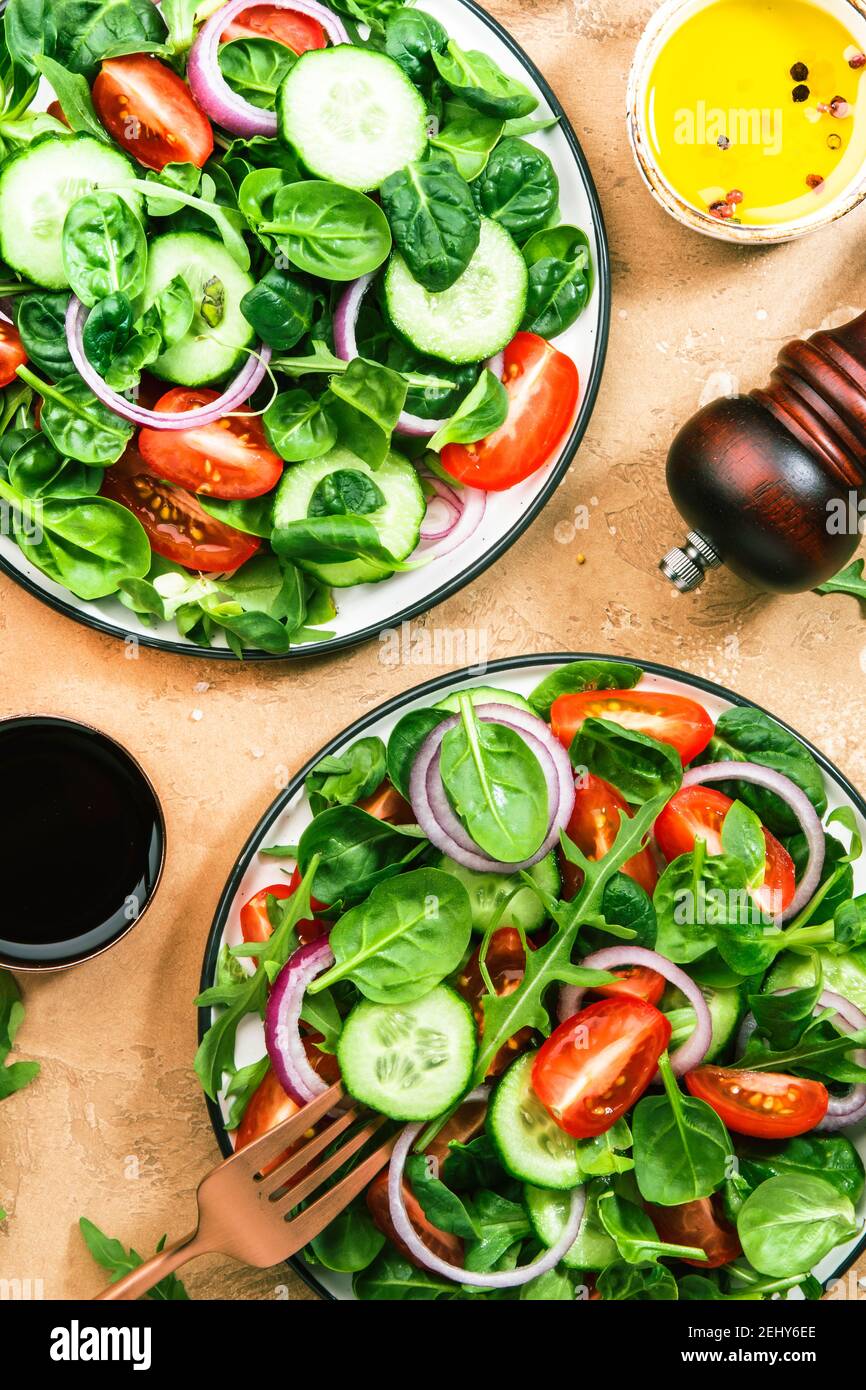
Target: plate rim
{"type": "Point", "coordinates": [414, 610]}
{"type": "Point", "coordinates": [390, 706]}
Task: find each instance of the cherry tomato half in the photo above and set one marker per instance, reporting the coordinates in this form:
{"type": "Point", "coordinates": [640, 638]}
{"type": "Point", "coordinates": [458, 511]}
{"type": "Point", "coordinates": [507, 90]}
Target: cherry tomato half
{"type": "Point", "coordinates": [12, 354]}
{"type": "Point", "coordinates": [698, 1223]}
{"type": "Point", "coordinates": [177, 526]}
{"type": "Point", "coordinates": [673, 719]}
{"type": "Point", "coordinates": [543, 388]}
{"type": "Point", "coordinates": [593, 1067]}
{"type": "Point", "coordinates": [699, 812]}
{"type": "Point", "coordinates": [764, 1104]}
{"type": "Point", "coordinates": [506, 962]}
{"type": "Point", "coordinates": [635, 982]}
{"type": "Point", "coordinates": [595, 820]}
{"type": "Point", "coordinates": [299, 32]}
{"type": "Point", "coordinates": [386, 803]}
{"type": "Point", "coordinates": [269, 1105]}
{"type": "Point", "coordinates": [229, 459]}
{"type": "Point", "coordinates": [256, 924]}
{"type": "Point", "coordinates": [151, 112]}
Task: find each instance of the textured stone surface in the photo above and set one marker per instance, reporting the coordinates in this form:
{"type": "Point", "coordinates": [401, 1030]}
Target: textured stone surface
{"type": "Point", "coordinates": [115, 1128]}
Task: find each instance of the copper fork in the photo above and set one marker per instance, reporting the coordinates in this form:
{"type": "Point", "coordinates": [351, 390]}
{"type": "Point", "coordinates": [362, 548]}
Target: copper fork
{"type": "Point", "coordinates": [246, 1213]}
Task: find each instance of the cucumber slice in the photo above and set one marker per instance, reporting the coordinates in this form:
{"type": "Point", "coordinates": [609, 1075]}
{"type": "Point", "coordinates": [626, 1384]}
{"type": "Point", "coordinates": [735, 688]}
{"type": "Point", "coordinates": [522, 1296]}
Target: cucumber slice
{"type": "Point", "coordinates": [352, 115]}
{"type": "Point", "coordinates": [530, 1146]}
{"type": "Point", "coordinates": [486, 695]}
{"type": "Point", "coordinates": [477, 316]}
{"type": "Point", "coordinates": [845, 975]}
{"type": "Point", "coordinates": [206, 354]}
{"type": "Point", "coordinates": [726, 1007]}
{"type": "Point", "coordinates": [594, 1249]}
{"type": "Point", "coordinates": [38, 187]}
{"type": "Point", "coordinates": [398, 523]}
{"type": "Point", "coordinates": [409, 1061]}
{"type": "Point", "coordinates": [487, 891]}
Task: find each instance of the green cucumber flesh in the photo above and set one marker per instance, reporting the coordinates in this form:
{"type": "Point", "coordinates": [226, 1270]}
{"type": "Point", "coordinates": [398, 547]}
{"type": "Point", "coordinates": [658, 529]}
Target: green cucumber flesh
{"type": "Point", "coordinates": [530, 1145]}
{"type": "Point", "coordinates": [206, 354]}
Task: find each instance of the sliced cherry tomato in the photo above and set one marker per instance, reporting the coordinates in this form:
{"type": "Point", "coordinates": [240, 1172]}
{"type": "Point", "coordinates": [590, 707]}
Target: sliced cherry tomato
{"type": "Point", "coordinates": [268, 1106]}
{"type": "Point", "coordinates": [177, 526]}
{"type": "Point", "coordinates": [295, 883]}
{"type": "Point", "coordinates": [635, 982]}
{"type": "Point", "coordinates": [698, 1223]}
{"type": "Point", "coordinates": [543, 387]}
{"type": "Point", "coordinates": [255, 923]}
{"type": "Point", "coordinates": [386, 803]}
{"type": "Point", "coordinates": [593, 1067]}
{"type": "Point", "coordinates": [228, 459]}
{"type": "Point", "coordinates": [151, 112]}
{"type": "Point", "coordinates": [595, 820]}
{"type": "Point", "coordinates": [506, 962]}
{"type": "Point", "coordinates": [12, 354]}
{"type": "Point", "coordinates": [764, 1104]}
{"type": "Point", "coordinates": [673, 719]}
{"type": "Point", "coordinates": [299, 32]}
{"type": "Point", "coordinates": [56, 110]}
{"type": "Point", "coordinates": [699, 812]}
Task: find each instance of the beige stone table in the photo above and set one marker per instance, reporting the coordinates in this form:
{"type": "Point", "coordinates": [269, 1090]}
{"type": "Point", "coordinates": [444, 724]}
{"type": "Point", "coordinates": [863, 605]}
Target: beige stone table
{"type": "Point", "coordinates": [115, 1128]}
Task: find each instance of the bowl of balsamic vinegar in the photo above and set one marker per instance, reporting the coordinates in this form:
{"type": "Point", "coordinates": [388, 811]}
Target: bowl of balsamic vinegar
{"type": "Point", "coordinates": [82, 843]}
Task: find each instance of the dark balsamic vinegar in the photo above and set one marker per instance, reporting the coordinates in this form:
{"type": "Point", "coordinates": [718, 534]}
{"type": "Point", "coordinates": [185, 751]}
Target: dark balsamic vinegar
{"type": "Point", "coordinates": [81, 841]}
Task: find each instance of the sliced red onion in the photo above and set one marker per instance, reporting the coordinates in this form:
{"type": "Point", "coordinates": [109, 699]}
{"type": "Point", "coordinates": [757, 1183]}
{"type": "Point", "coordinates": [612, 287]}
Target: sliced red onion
{"type": "Point", "coordinates": [473, 507]}
{"type": "Point", "coordinates": [209, 87]}
{"type": "Point", "coordinates": [440, 518]}
{"type": "Point", "coordinates": [249, 378]}
{"type": "Point", "coordinates": [282, 1035]}
{"type": "Point", "coordinates": [501, 1279]}
{"type": "Point", "coordinates": [496, 365]}
{"type": "Point", "coordinates": [694, 1049]}
{"type": "Point", "coordinates": [794, 797]}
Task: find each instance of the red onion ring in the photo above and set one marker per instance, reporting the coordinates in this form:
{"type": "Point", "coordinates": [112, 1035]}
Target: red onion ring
{"type": "Point", "coordinates": [209, 87]}
{"type": "Point", "coordinates": [502, 1279]}
{"type": "Point", "coordinates": [792, 795]}
{"type": "Point", "coordinates": [473, 507]}
{"type": "Point", "coordinates": [440, 493]}
{"type": "Point", "coordinates": [842, 1110]}
{"type": "Point", "coordinates": [282, 1036]}
{"type": "Point", "coordinates": [694, 1049]}
{"type": "Point", "coordinates": [496, 365]}
{"type": "Point", "coordinates": [245, 383]}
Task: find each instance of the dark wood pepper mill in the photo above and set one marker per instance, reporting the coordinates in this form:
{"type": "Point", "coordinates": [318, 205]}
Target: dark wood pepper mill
{"type": "Point", "coordinates": [771, 483]}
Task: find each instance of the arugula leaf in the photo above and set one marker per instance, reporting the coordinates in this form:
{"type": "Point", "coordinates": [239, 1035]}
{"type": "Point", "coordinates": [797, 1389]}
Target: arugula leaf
{"type": "Point", "coordinates": [850, 580]}
{"type": "Point", "coordinates": [14, 1076]}
{"type": "Point", "coordinates": [111, 1255]}
{"type": "Point", "coordinates": [820, 1050]}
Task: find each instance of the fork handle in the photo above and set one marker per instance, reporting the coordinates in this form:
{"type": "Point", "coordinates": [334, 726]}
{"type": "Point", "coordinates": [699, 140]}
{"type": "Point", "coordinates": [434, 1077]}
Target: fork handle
{"type": "Point", "coordinates": [139, 1280]}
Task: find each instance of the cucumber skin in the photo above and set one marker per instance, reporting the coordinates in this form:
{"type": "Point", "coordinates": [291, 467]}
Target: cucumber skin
{"type": "Point", "coordinates": [540, 872]}
{"type": "Point", "coordinates": [517, 1167]}
{"type": "Point", "coordinates": [486, 695]}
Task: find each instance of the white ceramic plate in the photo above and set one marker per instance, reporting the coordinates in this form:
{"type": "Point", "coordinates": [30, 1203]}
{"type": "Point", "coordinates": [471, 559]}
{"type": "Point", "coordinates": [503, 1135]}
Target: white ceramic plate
{"type": "Point", "coordinates": [368, 609]}
{"type": "Point", "coordinates": [290, 814]}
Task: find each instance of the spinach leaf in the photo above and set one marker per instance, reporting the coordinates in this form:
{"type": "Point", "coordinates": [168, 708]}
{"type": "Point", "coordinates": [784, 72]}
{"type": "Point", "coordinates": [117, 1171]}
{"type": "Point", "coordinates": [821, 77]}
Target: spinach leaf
{"type": "Point", "coordinates": [477, 416]}
{"type": "Point", "coordinates": [743, 840]}
{"type": "Point", "coordinates": [29, 30]}
{"type": "Point", "coordinates": [186, 178]}
{"type": "Point", "coordinates": [345, 492]}
{"type": "Point", "coordinates": [782, 1018]}
{"type": "Point", "coordinates": [441, 386]}
{"type": "Point", "coordinates": [14, 1076]}
{"type": "Point", "coordinates": [411, 38]}
{"type": "Point", "coordinates": [469, 1166]}
{"type": "Point", "coordinates": [298, 426]}
{"type": "Point", "coordinates": [440, 1205]}
{"type": "Point", "coordinates": [560, 279]}
{"type": "Point", "coordinates": [848, 581]}
{"type": "Point", "coordinates": [42, 326]}
{"type": "Point", "coordinates": [88, 544]}
{"type": "Point", "coordinates": [107, 331]}
{"type": "Point", "coordinates": [343, 778]}
{"type": "Point", "coordinates": [681, 1148]}
{"type": "Point", "coordinates": [349, 1243]}
{"type": "Point", "coordinates": [635, 1235]}
{"type": "Point", "coordinates": [554, 1286]}
{"type": "Point", "coordinates": [642, 1283]}
{"type": "Point", "coordinates": [261, 152]}
{"type": "Point", "coordinates": [111, 1255]}
{"type": "Point", "coordinates": [695, 895]}
{"type": "Point", "coordinates": [821, 1051]}
{"type": "Point", "coordinates": [228, 220]}
{"type": "Point", "coordinates": [502, 1223]}
{"type": "Point", "coordinates": [496, 785]}
{"type": "Point", "coordinates": [405, 742]}
{"type": "Point", "coordinates": [391, 1277]}
{"type": "Point", "coordinates": [404, 940]}
{"type": "Point", "coordinates": [172, 312]}
{"type": "Point", "coordinates": [530, 125]}
{"type": "Point", "coordinates": [640, 767]}
{"type": "Point", "coordinates": [468, 138]}
{"type": "Point", "coordinates": [280, 309]}
{"type": "Point", "coordinates": [791, 1222]}
{"type": "Point", "coordinates": [482, 84]}
{"type": "Point", "coordinates": [73, 93]}
{"type": "Point", "coordinates": [604, 1154]}
{"type": "Point", "coordinates": [831, 1157]}
{"type": "Point", "coordinates": [179, 16]}
{"type": "Point", "coordinates": [104, 248]}
{"type": "Point", "coordinates": [329, 231]}
{"type": "Point", "coordinates": [254, 516]}
{"type": "Point", "coordinates": [519, 188]}
{"type": "Point", "coordinates": [366, 402]}
{"type": "Point", "coordinates": [37, 470]}
{"type": "Point", "coordinates": [577, 676]}
{"type": "Point", "coordinates": [140, 351]}
{"type": "Point", "coordinates": [355, 851]}
{"type": "Point", "coordinates": [77, 423]}
{"type": "Point", "coordinates": [626, 911]}
{"type": "Point", "coordinates": [334, 540]}
{"type": "Point", "coordinates": [433, 219]}
{"type": "Point", "coordinates": [90, 30]}
{"type": "Point", "coordinates": [254, 68]}
{"type": "Point", "coordinates": [750, 735]}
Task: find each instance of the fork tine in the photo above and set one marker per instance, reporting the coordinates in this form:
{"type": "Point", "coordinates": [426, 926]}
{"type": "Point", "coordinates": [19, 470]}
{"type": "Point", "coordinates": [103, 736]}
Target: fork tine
{"type": "Point", "coordinates": [288, 1132]}
{"type": "Point", "coordinates": [301, 1191]}
{"type": "Point", "coordinates": [322, 1212]}
{"type": "Point", "coordinates": [308, 1151]}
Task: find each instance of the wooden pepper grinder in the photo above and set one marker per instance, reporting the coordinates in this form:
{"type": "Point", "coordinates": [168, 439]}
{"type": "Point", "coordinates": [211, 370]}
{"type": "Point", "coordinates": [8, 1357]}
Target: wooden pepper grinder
{"type": "Point", "coordinates": [771, 483]}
